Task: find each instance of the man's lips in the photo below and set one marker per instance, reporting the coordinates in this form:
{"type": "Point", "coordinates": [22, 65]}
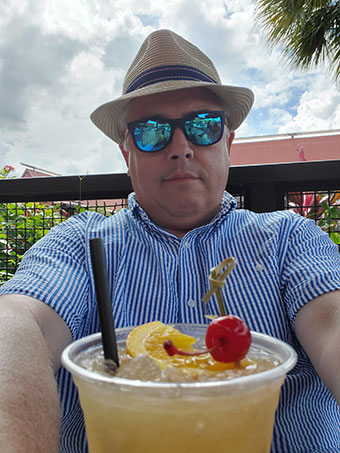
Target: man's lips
{"type": "Point", "coordinates": [181, 177]}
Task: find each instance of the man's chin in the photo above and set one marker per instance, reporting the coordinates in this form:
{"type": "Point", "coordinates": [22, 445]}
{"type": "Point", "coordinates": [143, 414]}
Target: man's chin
{"type": "Point", "coordinates": [190, 215]}
{"type": "Point", "coordinates": [184, 208]}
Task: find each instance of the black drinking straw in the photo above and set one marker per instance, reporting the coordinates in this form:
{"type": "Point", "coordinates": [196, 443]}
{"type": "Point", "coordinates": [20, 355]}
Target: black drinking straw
{"type": "Point", "coordinates": [104, 302]}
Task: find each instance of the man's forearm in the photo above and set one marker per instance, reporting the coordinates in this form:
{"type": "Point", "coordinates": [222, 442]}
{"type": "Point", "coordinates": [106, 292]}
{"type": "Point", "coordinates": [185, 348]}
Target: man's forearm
{"type": "Point", "coordinates": [318, 329]}
{"type": "Point", "coordinates": [29, 410]}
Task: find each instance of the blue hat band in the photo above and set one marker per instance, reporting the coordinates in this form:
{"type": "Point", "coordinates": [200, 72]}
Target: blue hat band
{"type": "Point", "coordinates": [164, 73]}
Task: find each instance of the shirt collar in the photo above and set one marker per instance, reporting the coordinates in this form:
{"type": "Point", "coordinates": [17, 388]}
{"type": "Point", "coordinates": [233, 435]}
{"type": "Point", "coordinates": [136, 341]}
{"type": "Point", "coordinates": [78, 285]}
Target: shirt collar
{"type": "Point", "coordinates": [228, 204]}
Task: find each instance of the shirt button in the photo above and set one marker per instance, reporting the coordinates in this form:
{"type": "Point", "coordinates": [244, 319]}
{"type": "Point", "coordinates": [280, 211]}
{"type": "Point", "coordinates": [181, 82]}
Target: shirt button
{"type": "Point", "coordinates": [191, 303]}
{"type": "Point", "coordinates": [259, 267]}
{"type": "Point", "coordinates": [186, 245]}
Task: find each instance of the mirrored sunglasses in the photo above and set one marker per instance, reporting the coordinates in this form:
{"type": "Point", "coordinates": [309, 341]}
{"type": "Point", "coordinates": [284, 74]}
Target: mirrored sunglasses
{"type": "Point", "coordinates": [200, 128]}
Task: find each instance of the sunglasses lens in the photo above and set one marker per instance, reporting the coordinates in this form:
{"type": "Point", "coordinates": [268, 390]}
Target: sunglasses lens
{"type": "Point", "coordinates": [204, 129]}
{"type": "Point", "coordinates": [151, 135]}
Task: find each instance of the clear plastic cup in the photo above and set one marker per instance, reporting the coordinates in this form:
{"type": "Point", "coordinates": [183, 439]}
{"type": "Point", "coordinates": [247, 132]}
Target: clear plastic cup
{"type": "Point", "coordinates": [130, 416]}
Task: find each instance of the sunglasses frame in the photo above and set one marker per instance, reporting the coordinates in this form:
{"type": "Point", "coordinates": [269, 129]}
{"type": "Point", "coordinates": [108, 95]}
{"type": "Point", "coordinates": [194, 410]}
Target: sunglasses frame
{"type": "Point", "coordinates": [175, 123]}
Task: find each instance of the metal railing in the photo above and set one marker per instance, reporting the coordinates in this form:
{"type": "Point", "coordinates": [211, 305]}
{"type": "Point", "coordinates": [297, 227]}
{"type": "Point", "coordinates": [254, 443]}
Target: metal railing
{"type": "Point", "coordinates": [29, 207]}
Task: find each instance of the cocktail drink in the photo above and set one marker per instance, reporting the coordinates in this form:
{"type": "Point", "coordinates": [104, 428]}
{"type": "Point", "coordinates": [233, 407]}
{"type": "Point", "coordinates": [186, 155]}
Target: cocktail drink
{"type": "Point", "coordinates": [229, 412]}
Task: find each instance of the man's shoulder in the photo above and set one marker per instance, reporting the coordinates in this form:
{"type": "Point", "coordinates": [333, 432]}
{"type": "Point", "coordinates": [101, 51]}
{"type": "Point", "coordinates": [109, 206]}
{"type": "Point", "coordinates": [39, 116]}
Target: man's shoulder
{"type": "Point", "coordinates": [81, 224]}
{"type": "Point", "coordinates": [282, 224]}
{"type": "Point", "coordinates": [283, 216]}
{"type": "Point", "coordinates": [98, 217]}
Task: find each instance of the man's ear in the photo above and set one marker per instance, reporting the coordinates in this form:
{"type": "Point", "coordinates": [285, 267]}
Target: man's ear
{"type": "Point", "coordinates": [230, 139]}
{"type": "Point", "coordinates": [125, 154]}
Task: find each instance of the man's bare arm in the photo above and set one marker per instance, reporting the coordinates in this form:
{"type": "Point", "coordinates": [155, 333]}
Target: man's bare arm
{"type": "Point", "coordinates": [318, 330]}
{"type": "Point", "coordinates": [32, 337]}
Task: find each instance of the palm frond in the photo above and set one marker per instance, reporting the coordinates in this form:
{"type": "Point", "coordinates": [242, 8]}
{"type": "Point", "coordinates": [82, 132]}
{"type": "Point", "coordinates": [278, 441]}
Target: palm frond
{"type": "Point", "coordinates": [308, 31]}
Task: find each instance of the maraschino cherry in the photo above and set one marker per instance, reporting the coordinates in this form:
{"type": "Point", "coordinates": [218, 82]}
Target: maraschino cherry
{"type": "Point", "coordinates": [227, 339]}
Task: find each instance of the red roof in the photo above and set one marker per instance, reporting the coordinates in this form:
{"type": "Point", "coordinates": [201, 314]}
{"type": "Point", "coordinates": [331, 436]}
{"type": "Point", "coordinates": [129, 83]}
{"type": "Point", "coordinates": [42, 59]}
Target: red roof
{"type": "Point", "coordinates": [265, 150]}
{"type": "Point", "coordinates": [30, 173]}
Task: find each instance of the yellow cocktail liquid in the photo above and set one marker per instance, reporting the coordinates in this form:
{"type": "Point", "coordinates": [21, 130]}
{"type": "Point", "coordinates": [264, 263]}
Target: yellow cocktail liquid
{"type": "Point", "coordinates": [181, 420]}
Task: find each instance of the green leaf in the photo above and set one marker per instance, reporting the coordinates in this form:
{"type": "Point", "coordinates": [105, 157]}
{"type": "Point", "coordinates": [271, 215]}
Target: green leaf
{"type": "Point", "coordinates": [334, 212]}
{"type": "Point", "coordinates": [335, 238]}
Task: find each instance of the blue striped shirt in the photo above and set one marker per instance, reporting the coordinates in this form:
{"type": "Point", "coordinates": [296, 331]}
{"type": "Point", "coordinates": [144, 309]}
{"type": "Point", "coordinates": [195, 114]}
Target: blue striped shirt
{"type": "Point", "coordinates": [284, 261]}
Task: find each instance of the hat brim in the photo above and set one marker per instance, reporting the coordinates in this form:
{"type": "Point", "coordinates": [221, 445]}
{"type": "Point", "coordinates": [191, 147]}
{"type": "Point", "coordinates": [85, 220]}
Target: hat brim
{"type": "Point", "coordinates": [110, 120]}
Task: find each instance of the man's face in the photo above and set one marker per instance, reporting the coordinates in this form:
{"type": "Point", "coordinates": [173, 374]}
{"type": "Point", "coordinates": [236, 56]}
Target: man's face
{"type": "Point", "coordinates": [181, 186]}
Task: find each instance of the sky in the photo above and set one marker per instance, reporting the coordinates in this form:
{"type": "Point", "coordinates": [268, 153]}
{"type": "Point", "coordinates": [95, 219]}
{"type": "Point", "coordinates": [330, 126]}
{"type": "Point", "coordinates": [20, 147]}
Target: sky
{"type": "Point", "coordinates": [60, 59]}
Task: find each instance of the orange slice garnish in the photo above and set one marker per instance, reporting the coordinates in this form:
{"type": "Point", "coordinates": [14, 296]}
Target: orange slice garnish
{"type": "Point", "coordinates": [149, 338]}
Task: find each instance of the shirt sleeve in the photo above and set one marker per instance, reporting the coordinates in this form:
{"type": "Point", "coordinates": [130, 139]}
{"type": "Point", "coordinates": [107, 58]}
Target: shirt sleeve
{"type": "Point", "coordinates": [311, 266]}
{"type": "Point", "coordinates": [54, 271]}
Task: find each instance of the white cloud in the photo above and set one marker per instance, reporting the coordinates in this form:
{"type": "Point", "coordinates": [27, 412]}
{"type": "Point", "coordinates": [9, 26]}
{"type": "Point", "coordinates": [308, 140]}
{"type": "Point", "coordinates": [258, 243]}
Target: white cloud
{"type": "Point", "coordinates": [316, 111]}
{"type": "Point", "coordinates": [276, 117]}
{"type": "Point", "coordinates": [90, 20]}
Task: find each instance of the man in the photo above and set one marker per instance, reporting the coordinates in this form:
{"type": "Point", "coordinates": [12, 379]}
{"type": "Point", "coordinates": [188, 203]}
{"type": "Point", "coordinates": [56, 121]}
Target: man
{"type": "Point", "coordinates": [175, 124]}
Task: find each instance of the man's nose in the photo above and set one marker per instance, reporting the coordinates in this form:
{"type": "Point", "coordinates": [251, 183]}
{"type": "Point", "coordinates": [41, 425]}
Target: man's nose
{"type": "Point", "coordinates": [180, 147]}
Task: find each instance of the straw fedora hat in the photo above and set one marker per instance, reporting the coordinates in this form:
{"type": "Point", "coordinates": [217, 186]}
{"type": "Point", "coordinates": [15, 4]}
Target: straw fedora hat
{"type": "Point", "coordinates": [167, 62]}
